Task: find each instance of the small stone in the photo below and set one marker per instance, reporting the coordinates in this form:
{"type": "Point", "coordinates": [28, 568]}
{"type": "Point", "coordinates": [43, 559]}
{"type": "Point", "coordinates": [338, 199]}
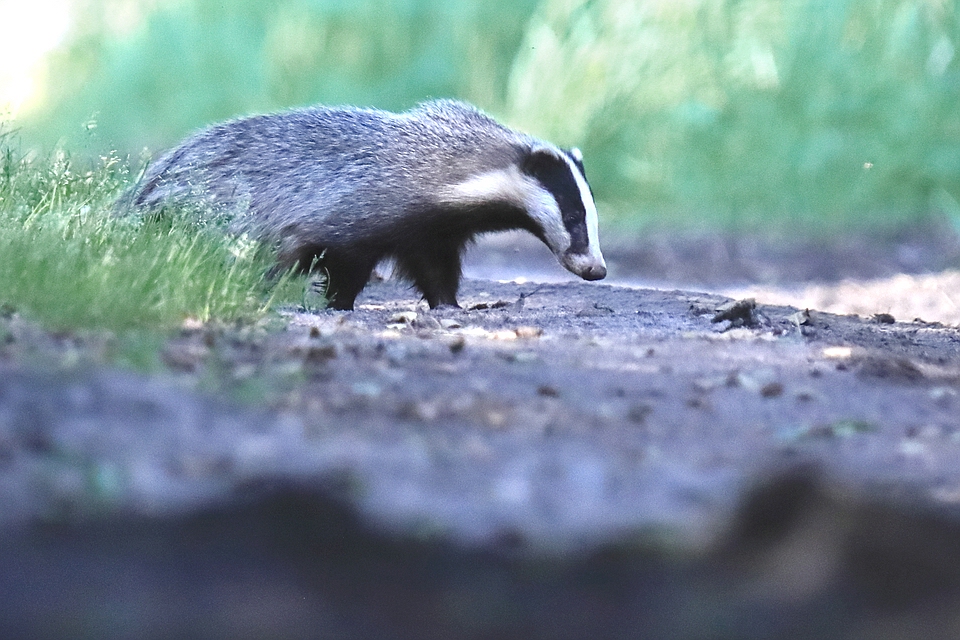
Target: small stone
{"type": "Point", "coordinates": [709, 383]}
{"type": "Point", "coordinates": [457, 344]}
{"type": "Point", "coordinates": [480, 306]}
{"type": "Point", "coordinates": [758, 381]}
{"type": "Point", "coordinates": [404, 317]}
{"type": "Point", "coordinates": [771, 390]}
{"type": "Point", "coordinates": [943, 396]}
{"type": "Point", "coordinates": [528, 332]}
{"type": "Point", "coordinates": [837, 353]}
{"type": "Point", "coordinates": [912, 448]}
{"type": "Point", "coordinates": [801, 318]}
{"type": "Point", "coordinates": [426, 322]}
{"type": "Point", "coordinates": [184, 356]}
{"type": "Point", "coordinates": [191, 324]}
{"type": "Point", "coordinates": [319, 353]}
{"type": "Point", "coordinates": [370, 390]}
{"type": "Point", "coordinates": [740, 313]}
{"type": "Point", "coordinates": [638, 413]}
{"type": "Point", "coordinates": [496, 419]}
{"type": "Point", "coordinates": [892, 368]}
{"type": "Point", "coordinates": [548, 391]}
{"type": "Point", "coordinates": [421, 411]}
{"type": "Point", "coordinates": [595, 310]}
{"type": "Point", "coordinates": [244, 371]}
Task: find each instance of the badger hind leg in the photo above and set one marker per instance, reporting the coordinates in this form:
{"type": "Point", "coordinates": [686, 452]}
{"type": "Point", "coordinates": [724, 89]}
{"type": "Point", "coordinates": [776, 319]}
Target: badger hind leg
{"type": "Point", "coordinates": [434, 271]}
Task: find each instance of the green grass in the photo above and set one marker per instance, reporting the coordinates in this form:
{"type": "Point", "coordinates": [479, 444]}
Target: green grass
{"type": "Point", "coordinates": [69, 263]}
{"type": "Point", "coordinates": [807, 115]}
{"type": "Point", "coordinates": [810, 114]}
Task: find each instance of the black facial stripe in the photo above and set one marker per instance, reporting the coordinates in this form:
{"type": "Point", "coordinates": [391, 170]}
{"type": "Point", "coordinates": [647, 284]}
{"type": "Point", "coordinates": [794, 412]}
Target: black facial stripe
{"type": "Point", "coordinates": [555, 176]}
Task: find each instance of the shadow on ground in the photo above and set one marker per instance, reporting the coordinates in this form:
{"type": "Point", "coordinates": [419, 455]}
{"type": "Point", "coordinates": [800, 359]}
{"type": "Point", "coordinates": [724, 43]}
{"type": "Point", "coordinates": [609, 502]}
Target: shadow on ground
{"type": "Point", "coordinates": [800, 560]}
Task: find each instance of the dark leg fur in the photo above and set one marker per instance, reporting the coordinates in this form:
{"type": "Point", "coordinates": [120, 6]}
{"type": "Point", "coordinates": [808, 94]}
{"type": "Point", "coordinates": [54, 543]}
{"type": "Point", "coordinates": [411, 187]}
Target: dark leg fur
{"type": "Point", "coordinates": [435, 272]}
{"type": "Point", "coordinates": [347, 272]}
{"type": "Point", "coordinates": [347, 275]}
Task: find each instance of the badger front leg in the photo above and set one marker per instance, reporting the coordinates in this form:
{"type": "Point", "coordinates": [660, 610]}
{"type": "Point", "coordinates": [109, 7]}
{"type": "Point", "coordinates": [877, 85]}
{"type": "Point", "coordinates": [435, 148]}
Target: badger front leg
{"type": "Point", "coordinates": [435, 271]}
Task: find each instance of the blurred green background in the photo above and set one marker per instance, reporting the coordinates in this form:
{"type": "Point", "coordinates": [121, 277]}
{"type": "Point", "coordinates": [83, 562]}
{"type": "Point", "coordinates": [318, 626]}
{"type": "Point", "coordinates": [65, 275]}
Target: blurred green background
{"type": "Point", "coordinates": [808, 115]}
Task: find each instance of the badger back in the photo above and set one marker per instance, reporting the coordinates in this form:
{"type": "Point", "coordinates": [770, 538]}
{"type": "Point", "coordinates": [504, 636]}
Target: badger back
{"type": "Point", "coordinates": [341, 176]}
{"type": "Point", "coordinates": [281, 161]}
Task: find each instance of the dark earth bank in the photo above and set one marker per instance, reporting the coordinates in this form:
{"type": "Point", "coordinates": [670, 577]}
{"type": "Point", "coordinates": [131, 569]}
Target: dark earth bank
{"type": "Point", "coordinates": [558, 460]}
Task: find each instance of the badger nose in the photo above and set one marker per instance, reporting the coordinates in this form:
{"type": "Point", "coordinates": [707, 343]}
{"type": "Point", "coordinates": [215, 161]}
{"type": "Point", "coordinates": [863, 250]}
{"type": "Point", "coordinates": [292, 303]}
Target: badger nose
{"type": "Point", "coordinates": [589, 266]}
{"type": "Point", "coordinates": [594, 272]}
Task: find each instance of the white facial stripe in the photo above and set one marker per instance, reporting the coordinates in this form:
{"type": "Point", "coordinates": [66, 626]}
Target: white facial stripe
{"type": "Point", "coordinates": [510, 185]}
{"type": "Point", "coordinates": [543, 207]}
{"type": "Point", "coordinates": [502, 185]}
{"type": "Point", "coordinates": [592, 220]}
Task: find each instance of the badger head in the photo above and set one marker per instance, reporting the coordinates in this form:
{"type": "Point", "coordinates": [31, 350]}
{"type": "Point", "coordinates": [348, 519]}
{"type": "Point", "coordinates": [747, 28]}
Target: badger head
{"type": "Point", "coordinates": [548, 187]}
{"type": "Point", "coordinates": [559, 200]}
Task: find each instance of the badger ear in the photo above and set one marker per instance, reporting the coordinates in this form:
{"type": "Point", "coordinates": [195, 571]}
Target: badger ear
{"type": "Point", "coordinates": [542, 159]}
{"type": "Point", "coordinates": [576, 155]}
{"type": "Point", "coordinates": [539, 158]}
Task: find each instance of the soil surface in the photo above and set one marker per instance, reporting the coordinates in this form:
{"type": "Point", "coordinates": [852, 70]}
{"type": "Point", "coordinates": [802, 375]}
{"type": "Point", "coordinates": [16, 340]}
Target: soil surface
{"type": "Point", "coordinates": [547, 418]}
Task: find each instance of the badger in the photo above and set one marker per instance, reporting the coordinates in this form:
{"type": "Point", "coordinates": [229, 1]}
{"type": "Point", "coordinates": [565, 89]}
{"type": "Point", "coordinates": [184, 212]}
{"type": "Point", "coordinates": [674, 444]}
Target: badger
{"type": "Point", "coordinates": [338, 190]}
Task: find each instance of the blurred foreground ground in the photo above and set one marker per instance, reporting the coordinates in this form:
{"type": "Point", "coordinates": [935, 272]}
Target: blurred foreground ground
{"type": "Point", "coordinates": [558, 459]}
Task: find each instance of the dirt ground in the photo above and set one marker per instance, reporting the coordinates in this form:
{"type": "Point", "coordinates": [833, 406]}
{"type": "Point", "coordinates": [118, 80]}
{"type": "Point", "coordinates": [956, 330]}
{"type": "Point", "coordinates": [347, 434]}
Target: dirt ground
{"type": "Point", "coordinates": [547, 418]}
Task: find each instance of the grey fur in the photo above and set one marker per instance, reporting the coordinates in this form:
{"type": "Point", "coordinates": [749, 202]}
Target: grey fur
{"type": "Point", "coordinates": [340, 189]}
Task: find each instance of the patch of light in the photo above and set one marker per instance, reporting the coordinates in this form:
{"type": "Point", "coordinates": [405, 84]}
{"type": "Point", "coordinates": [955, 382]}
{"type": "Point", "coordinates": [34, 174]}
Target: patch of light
{"type": "Point", "coordinates": [28, 31]}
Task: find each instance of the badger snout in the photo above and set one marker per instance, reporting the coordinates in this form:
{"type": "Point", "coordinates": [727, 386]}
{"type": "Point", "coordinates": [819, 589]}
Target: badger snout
{"type": "Point", "coordinates": [595, 272]}
{"type": "Point", "coordinates": [587, 266]}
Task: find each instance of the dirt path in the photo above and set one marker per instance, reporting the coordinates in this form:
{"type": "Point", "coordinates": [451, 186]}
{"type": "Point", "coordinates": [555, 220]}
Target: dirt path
{"type": "Point", "coordinates": [553, 414]}
{"type": "Point", "coordinates": [539, 419]}
{"type": "Point", "coordinates": [591, 408]}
